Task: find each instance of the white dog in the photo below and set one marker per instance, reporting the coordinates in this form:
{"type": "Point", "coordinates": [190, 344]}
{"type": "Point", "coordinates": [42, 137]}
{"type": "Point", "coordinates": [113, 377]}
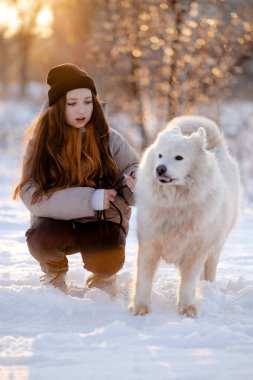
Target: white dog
{"type": "Point", "coordinates": [187, 201]}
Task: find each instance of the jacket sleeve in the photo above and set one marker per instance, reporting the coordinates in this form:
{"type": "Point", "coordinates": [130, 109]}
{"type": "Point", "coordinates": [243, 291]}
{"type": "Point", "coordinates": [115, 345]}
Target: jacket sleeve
{"type": "Point", "coordinates": [127, 161]}
{"type": "Point", "coordinates": [65, 204]}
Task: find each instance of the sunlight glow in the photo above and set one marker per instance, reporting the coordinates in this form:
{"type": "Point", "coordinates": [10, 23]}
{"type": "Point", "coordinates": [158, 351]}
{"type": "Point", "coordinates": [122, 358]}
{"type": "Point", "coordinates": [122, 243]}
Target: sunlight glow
{"type": "Point", "coordinates": [8, 19]}
{"type": "Point", "coordinates": [44, 22]}
{"type": "Point", "coordinates": [15, 17]}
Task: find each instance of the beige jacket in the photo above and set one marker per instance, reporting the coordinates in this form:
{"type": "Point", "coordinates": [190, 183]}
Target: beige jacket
{"type": "Point", "coordinates": [75, 203]}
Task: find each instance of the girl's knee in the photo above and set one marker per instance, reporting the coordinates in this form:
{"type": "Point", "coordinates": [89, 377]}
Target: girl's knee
{"type": "Point", "coordinates": [103, 247]}
{"type": "Point", "coordinates": [48, 255]}
{"type": "Point", "coordinates": [45, 241]}
{"type": "Point", "coordinates": [50, 234]}
{"type": "Point", "coordinates": [105, 262]}
{"type": "Point", "coordinates": [37, 239]}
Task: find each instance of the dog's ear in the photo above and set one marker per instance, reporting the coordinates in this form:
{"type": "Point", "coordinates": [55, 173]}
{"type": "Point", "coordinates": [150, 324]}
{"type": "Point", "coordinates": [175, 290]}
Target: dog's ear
{"type": "Point", "coordinates": [175, 130]}
{"type": "Point", "coordinates": [200, 137]}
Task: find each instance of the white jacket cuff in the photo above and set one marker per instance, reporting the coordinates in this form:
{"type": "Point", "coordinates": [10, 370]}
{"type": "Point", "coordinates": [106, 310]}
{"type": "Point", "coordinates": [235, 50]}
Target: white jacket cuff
{"type": "Point", "coordinates": [97, 199]}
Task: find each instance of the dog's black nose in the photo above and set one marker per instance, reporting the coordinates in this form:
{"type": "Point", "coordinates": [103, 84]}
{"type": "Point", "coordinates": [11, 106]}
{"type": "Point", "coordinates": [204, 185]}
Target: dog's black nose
{"type": "Point", "coordinates": [161, 169]}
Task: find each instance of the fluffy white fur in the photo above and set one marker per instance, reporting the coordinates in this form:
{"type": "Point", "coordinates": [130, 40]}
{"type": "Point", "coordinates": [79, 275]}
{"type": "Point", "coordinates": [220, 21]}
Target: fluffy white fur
{"type": "Point", "coordinates": [187, 201]}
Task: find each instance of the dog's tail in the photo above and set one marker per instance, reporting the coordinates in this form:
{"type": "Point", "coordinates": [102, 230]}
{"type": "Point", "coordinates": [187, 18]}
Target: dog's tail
{"type": "Point", "coordinates": [190, 124]}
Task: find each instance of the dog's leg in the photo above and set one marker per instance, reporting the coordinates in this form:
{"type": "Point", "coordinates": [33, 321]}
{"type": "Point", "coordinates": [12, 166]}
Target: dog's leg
{"type": "Point", "coordinates": [146, 266]}
{"type": "Point", "coordinates": [190, 273]}
{"type": "Point", "coordinates": [210, 267]}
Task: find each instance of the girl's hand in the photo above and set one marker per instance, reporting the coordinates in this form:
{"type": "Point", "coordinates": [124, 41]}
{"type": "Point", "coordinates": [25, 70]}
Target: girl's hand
{"type": "Point", "coordinates": [109, 196]}
{"type": "Point", "coordinates": [130, 181]}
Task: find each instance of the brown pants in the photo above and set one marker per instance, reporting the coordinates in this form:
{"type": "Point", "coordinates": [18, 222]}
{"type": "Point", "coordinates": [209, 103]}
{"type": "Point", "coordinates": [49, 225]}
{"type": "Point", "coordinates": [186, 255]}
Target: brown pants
{"type": "Point", "coordinates": [101, 244]}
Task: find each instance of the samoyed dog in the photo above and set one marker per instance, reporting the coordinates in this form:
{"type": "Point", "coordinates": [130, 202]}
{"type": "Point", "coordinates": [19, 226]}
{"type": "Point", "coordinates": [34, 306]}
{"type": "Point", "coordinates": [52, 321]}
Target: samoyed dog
{"type": "Point", "coordinates": [187, 195]}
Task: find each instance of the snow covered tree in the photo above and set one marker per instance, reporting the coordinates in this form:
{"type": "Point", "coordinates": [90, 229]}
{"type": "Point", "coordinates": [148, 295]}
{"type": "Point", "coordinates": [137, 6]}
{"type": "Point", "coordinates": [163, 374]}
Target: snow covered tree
{"type": "Point", "coordinates": [161, 58]}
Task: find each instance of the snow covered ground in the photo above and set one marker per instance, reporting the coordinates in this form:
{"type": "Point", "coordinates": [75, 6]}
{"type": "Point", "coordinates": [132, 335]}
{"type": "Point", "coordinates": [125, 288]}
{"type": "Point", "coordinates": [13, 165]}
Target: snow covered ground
{"type": "Point", "coordinates": [45, 334]}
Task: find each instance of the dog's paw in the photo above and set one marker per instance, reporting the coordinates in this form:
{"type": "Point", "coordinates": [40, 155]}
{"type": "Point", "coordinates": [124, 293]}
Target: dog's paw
{"type": "Point", "coordinates": [189, 311]}
{"type": "Point", "coordinates": [139, 309]}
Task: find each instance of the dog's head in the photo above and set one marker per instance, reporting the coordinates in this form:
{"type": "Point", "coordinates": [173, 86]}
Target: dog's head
{"type": "Point", "coordinates": [175, 155]}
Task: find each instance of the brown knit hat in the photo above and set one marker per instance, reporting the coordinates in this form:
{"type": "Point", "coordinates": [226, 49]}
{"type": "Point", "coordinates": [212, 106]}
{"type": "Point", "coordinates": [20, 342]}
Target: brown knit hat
{"type": "Point", "coordinates": [66, 77]}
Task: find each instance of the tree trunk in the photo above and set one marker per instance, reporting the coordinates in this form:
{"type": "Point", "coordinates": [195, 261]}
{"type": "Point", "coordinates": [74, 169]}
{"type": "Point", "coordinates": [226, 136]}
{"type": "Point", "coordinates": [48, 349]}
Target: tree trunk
{"type": "Point", "coordinates": [137, 94]}
{"type": "Point", "coordinates": [179, 11]}
{"type": "Point", "coordinates": [24, 49]}
{"type": "Point", "coordinates": [3, 66]}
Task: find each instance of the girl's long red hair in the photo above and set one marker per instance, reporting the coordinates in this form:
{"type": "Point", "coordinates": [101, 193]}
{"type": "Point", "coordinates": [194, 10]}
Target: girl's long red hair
{"type": "Point", "coordinates": [59, 156]}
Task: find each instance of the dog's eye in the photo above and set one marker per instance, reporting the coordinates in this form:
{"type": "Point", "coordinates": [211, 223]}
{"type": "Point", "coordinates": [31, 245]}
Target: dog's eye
{"type": "Point", "coordinates": [179, 158]}
{"type": "Point", "coordinates": [160, 156]}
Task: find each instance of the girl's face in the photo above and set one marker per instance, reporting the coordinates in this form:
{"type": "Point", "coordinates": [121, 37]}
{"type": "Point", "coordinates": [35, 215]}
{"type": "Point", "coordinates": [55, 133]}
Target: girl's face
{"type": "Point", "coordinates": [78, 107]}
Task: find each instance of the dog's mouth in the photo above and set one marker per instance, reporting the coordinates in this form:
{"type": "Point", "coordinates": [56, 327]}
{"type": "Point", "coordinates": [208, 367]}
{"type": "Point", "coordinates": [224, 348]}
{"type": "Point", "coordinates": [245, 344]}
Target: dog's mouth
{"type": "Point", "coordinates": [165, 179]}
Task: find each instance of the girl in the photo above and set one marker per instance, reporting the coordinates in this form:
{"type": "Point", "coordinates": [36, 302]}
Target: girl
{"type": "Point", "coordinates": [77, 182]}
